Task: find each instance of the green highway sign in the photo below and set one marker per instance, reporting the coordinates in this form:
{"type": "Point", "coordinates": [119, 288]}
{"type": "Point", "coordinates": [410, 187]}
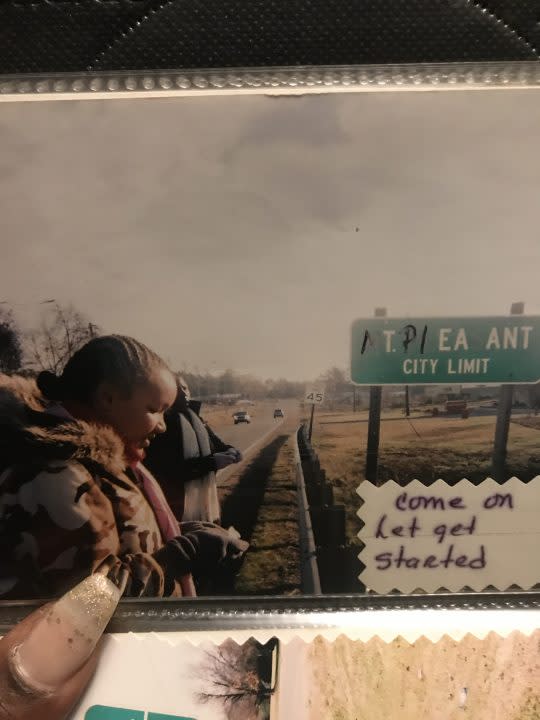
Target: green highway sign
{"type": "Point", "coordinates": [441, 351]}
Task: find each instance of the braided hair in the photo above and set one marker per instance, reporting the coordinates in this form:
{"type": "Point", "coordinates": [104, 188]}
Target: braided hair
{"type": "Point", "coordinates": [116, 359]}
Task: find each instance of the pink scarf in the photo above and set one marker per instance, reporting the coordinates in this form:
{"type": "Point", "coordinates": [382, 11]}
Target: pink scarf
{"type": "Point", "coordinates": [168, 524]}
{"type": "Point", "coordinates": [166, 520]}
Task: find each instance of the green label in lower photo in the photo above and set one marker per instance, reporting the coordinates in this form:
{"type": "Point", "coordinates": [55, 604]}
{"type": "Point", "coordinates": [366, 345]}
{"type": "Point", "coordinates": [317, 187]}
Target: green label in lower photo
{"type": "Point", "coordinates": [104, 712]}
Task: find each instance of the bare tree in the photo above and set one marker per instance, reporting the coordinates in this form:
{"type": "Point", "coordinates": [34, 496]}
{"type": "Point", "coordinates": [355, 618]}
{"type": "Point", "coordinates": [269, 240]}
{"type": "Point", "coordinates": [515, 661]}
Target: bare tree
{"type": "Point", "coordinates": [234, 677]}
{"type": "Point", "coordinates": [11, 353]}
{"type": "Point", "coordinates": [62, 331]}
{"type": "Point", "coordinates": [338, 389]}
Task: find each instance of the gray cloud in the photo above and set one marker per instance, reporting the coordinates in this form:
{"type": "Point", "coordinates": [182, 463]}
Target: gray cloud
{"type": "Point", "coordinates": [249, 232]}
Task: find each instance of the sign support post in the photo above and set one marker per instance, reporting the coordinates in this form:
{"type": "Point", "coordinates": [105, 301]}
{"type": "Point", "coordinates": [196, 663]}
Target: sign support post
{"type": "Point", "coordinates": [374, 423]}
{"type": "Point", "coordinates": [503, 417]}
{"type": "Point", "coordinates": [407, 402]}
{"type": "Point", "coordinates": [310, 432]}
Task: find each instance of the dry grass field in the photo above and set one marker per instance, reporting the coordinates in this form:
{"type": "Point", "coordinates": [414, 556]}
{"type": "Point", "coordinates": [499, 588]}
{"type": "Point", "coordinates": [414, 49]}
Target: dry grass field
{"type": "Point", "coordinates": [473, 679]}
{"type": "Point", "coordinates": [425, 448]}
{"type": "Point", "coordinates": [271, 565]}
{"type": "Point", "coordinates": [259, 499]}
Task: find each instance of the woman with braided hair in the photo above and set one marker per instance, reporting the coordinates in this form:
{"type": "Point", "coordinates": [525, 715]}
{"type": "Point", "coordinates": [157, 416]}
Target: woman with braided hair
{"type": "Point", "coordinates": [75, 496]}
{"type": "Point", "coordinates": [186, 458]}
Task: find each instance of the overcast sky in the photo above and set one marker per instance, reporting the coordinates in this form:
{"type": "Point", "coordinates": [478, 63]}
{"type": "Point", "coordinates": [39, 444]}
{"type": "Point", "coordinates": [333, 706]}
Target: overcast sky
{"type": "Point", "coordinates": [249, 232]}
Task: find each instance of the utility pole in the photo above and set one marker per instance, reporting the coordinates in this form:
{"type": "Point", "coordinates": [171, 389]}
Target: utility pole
{"type": "Point", "coordinates": [374, 423]}
{"type": "Point", "coordinates": [504, 414]}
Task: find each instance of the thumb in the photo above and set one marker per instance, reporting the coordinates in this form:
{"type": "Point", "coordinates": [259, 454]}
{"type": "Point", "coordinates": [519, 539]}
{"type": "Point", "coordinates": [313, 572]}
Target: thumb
{"type": "Point", "coordinates": [47, 660]}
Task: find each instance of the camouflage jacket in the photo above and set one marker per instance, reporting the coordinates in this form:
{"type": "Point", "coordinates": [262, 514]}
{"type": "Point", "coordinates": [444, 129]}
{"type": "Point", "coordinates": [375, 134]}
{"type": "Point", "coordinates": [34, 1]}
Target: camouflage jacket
{"type": "Point", "coordinates": [68, 507]}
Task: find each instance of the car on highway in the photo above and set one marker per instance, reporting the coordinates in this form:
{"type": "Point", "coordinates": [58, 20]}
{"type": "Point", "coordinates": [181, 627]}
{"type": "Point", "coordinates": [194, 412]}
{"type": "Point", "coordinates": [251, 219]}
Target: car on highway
{"type": "Point", "coordinates": [242, 416]}
{"type": "Point", "coordinates": [278, 413]}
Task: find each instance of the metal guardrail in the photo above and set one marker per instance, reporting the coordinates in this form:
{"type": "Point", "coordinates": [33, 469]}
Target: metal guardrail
{"type": "Point", "coordinates": [311, 583]}
{"type": "Point", "coordinates": [337, 559]}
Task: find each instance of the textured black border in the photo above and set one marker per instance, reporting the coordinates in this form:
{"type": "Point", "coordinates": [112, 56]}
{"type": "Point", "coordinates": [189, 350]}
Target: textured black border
{"type": "Point", "coordinates": [77, 35]}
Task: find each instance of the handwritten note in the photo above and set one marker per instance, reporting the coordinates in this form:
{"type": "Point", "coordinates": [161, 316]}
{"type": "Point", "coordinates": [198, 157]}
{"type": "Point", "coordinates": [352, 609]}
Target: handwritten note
{"type": "Point", "coordinates": [428, 538]}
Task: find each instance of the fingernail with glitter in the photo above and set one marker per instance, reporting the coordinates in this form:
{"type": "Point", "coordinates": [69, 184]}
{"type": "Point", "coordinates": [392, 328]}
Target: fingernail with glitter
{"type": "Point", "coordinates": [64, 639]}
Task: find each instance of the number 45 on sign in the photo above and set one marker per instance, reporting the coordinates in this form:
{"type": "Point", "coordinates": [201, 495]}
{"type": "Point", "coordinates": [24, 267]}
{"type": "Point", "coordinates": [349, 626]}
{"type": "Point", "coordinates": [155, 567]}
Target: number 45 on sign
{"type": "Point", "coordinates": [314, 397]}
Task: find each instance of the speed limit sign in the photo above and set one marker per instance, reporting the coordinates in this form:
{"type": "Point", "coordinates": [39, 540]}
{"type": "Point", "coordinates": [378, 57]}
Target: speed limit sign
{"type": "Point", "coordinates": [314, 397]}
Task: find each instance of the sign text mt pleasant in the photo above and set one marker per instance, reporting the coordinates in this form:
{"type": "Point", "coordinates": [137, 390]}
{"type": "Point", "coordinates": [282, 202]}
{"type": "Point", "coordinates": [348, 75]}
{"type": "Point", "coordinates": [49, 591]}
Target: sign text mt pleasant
{"type": "Point", "coordinates": [440, 351]}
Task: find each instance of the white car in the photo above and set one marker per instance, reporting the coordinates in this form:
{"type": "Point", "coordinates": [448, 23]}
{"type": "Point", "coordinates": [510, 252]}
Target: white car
{"type": "Point", "coordinates": [242, 416]}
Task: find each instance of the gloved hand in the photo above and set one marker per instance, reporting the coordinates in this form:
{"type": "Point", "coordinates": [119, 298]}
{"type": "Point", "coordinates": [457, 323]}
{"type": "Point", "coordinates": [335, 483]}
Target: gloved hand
{"type": "Point", "coordinates": [201, 547]}
{"type": "Point", "coordinates": [223, 459]}
{"type": "Point", "coordinates": [213, 542]}
{"type": "Point", "coordinates": [236, 454]}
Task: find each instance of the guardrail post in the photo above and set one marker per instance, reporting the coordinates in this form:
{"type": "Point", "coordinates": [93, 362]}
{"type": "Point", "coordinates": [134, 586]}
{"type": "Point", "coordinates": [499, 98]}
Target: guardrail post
{"type": "Point", "coordinates": [337, 563]}
{"type": "Point", "coordinates": [334, 533]}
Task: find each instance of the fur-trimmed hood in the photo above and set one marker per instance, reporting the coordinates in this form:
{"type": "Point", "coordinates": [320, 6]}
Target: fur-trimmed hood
{"type": "Point", "coordinates": [30, 433]}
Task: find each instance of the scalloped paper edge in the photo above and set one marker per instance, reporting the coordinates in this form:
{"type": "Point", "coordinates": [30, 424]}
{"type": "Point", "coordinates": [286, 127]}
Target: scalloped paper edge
{"type": "Point", "coordinates": [433, 624]}
{"type": "Point", "coordinates": [149, 674]}
{"type": "Point", "coordinates": [524, 577]}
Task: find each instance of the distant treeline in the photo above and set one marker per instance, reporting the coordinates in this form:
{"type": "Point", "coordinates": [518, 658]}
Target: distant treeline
{"type": "Point", "coordinates": [231, 383]}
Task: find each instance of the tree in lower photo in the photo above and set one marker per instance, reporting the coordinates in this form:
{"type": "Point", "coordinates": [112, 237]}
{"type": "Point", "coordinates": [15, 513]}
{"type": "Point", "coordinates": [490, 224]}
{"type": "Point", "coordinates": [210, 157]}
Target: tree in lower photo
{"type": "Point", "coordinates": [241, 679]}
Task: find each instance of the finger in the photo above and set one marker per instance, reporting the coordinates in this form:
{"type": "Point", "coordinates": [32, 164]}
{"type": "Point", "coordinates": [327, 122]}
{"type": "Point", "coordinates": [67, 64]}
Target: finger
{"type": "Point", "coordinates": [59, 707]}
{"type": "Point", "coordinates": [22, 629]}
{"type": "Point", "coordinates": [56, 706]}
{"type": "Point", "coordinates": [46, 660]}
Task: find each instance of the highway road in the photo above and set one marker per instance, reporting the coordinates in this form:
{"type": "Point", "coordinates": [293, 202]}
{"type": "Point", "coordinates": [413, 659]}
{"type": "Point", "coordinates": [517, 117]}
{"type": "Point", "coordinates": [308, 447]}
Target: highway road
{"type": "Point", "coordinates": [243, 436]}
{"type": "Point", "coordinates": [249, 438]}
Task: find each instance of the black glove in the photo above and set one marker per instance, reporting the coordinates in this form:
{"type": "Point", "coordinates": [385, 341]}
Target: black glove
{"type": "Point", "coordinates": [223, 459]}
{"type": "Point", "coordinates": [214, 541]}
{"type": "Point", "coordinates": [201, 547]}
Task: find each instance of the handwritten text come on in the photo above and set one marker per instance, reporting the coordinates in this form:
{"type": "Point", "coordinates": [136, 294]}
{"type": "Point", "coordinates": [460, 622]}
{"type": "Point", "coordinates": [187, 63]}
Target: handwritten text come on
{"type": "Point", "coordinates": [419, 537]}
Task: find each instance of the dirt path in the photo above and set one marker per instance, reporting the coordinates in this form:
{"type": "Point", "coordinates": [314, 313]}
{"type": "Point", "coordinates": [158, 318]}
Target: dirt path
{"type": "Point", "coordinates": [491, 679]}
